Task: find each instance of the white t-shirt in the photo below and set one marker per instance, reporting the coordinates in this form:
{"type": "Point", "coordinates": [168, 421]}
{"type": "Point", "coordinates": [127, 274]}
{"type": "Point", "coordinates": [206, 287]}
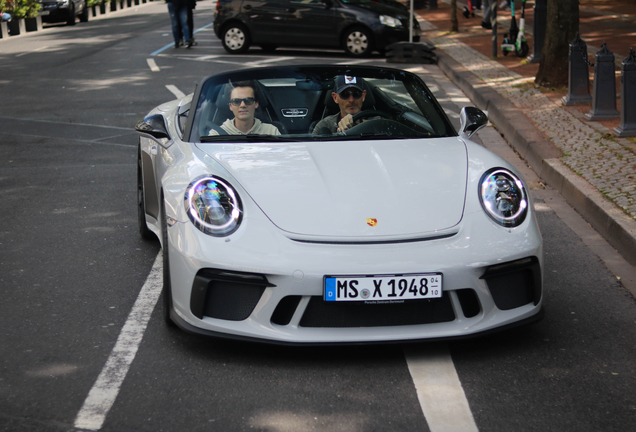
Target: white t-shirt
{"type": "Point", "coordinates": [258, 128]}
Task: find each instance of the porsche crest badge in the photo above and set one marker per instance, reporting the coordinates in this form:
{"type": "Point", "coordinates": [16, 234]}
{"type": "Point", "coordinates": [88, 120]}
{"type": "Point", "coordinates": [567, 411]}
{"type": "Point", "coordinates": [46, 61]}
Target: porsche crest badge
{"type": "Point", "coordinates": [372, 222]}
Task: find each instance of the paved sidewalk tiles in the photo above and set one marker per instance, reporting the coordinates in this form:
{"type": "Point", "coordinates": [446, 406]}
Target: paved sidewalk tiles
{"type": "Point", "coordinates": [588, 149]}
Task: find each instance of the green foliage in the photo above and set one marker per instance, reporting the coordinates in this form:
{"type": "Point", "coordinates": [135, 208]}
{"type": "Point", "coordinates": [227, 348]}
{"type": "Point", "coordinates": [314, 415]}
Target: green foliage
{"type": "Point", "coordinates": [21, 8]}
{"type": "Point", "coordinates": [6, 5]}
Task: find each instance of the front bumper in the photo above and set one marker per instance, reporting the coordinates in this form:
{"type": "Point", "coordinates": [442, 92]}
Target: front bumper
{"type": "Point", "coordinates": [260, 284]}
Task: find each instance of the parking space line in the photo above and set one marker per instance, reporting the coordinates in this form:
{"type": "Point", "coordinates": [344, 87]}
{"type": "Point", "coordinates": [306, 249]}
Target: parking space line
{"type": "Point", "coordinates": [175, 91]}
{"type": "Point", "coordinates": [106, 388]}
{"type": "Point", "coordinates": [153, 65]}
{"type": "Point", "coordinates": [439, 390]}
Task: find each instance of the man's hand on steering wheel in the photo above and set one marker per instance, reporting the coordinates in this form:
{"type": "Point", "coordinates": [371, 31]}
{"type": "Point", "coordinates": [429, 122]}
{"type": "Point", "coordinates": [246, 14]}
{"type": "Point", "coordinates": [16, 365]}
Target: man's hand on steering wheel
{"type": "Point", "coordinates": [345, 123]}
{"type": "Point", "coordinates": [349, 121]}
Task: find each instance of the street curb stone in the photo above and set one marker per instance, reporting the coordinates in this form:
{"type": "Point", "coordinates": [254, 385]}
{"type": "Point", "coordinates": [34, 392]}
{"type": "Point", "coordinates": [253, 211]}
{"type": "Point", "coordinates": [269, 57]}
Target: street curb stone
{"type": "Point", "coordinates": [543, 157]}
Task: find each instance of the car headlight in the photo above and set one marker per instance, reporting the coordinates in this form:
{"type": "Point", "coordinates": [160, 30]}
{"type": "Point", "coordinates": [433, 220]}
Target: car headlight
{"type": "Point", "coordinates": [503, 197]}
{"type": "Point", "coordinates": [213, 206]}
{"type": "Point", "coordinates": [390, 21]}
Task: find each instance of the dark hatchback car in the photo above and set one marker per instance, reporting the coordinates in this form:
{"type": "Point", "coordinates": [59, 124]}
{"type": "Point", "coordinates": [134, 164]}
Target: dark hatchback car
{"type": "Point", "coordinates": [357, 26]}
{"type": "Point", "coordinates": [53, 11]}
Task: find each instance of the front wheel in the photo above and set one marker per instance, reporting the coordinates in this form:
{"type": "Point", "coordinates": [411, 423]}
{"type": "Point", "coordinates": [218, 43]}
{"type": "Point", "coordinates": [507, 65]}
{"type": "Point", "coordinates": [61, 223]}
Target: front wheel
{"type": "Point", "coordinates": [235, 39]}
{"type": "Point", "coordinates": [145, 233]}
{"type": "Point", "coordinates": [167, 282]}
{"type": "Point", "coordinates": [71, 16]}
{"type": "Point", "coordinates": [358, 42]}
{"type": "Point", "coordinates": [84, 15]}
{"type": "Point", "coordinates": [524, 50]}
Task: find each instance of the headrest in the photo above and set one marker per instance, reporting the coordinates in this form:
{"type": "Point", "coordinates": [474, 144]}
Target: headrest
{"type": "Point", "coordinates": [223, 98]}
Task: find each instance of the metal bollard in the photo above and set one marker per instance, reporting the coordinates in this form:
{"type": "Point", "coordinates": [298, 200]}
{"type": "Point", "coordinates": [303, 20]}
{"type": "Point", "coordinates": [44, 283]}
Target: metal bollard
{"type": "Point", "coordinates": [539, 25]}
{"type": "Point", "coordinates": [604, 93]}
{"type": "Point", "coordinates": [627, 126]}
{"type": "Point", "coordinates": [579, 78]}
{"type": "Point", "coordinates": [493, 23]}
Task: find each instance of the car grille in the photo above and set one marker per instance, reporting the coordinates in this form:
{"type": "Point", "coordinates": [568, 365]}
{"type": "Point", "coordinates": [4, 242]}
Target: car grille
{"type": "Point", "coordinates": [320, 313]}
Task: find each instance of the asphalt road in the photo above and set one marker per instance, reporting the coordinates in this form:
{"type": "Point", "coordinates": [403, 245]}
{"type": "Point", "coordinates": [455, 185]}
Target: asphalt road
{"type": "Point", "coordinates": [72, 267]}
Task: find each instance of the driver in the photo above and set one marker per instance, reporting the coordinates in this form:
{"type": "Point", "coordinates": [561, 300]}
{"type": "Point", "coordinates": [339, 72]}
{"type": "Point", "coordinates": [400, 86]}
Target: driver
{"type": "Point", "coordinates": [349, 95]}
{"type": "Point", "coordinates": [243, 104]}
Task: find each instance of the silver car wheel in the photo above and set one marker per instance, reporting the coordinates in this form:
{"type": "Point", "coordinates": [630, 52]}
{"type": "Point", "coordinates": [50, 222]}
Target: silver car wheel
{"type": "Point", "coordinates": [235, 39]}
{"type": "Point", "coordinates": [357, 43]}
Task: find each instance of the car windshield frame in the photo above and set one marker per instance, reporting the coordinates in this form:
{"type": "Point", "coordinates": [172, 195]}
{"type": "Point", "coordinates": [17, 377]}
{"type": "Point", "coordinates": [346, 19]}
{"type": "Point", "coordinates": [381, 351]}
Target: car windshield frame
{"type": "Point", "coordinates": [413, 111]}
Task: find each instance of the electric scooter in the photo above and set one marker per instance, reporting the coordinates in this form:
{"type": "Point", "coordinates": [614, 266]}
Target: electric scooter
{"type": "Point", "coordinates": [517, 41]}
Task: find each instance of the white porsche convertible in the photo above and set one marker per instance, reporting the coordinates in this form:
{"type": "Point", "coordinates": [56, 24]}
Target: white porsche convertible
{"type": "Point", "coordinates": [281, 223]}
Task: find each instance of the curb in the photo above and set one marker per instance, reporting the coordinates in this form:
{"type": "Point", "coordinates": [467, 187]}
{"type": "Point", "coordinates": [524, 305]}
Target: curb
{"type": "Point", "coordinates": [544, 158]}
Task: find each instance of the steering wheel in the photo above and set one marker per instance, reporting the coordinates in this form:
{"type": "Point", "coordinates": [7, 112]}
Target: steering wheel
{"type": "Point", "coordinates": [370, 113]}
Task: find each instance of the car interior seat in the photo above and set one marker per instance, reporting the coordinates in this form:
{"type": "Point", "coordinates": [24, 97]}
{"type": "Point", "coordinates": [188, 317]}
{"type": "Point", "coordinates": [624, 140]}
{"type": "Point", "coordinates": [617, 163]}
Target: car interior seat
{"type": "Point", "coordinates": [222, 110]}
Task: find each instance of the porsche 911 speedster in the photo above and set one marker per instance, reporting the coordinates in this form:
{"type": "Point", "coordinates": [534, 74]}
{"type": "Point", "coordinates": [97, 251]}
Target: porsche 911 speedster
{"type": "Point", "coordinates": [303, 230]}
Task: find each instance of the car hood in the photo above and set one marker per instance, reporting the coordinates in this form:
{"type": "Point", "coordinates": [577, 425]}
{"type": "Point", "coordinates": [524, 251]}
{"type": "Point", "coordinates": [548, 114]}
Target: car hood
{"type": "Point", "coordinates": [362, 189]}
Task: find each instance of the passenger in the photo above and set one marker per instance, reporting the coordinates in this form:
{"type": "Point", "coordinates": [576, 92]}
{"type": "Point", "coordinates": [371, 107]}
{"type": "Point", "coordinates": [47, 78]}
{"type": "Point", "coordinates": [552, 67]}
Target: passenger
{"type": "Point", "coordinates": [243, 103]}
{"type": "Point", "coordinates": [349, 94]}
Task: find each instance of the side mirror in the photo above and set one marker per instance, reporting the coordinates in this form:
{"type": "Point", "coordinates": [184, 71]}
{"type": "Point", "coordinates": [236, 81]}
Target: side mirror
{"type": "Point", "coordinates": [153, 125]}
{"type": "Point", "coordinates": [471, 119]}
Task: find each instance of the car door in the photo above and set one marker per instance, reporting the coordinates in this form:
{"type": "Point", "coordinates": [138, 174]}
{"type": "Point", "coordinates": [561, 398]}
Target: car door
{"type": "Point", "coordinates": [266, 20]}
{"type": "Point", "coordinates": [312, 23]}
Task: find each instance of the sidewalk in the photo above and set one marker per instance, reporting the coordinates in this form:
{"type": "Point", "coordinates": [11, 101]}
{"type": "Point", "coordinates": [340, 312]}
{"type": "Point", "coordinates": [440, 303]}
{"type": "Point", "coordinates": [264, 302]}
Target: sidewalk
{"type": "Point", "coordinates": [593, 170]}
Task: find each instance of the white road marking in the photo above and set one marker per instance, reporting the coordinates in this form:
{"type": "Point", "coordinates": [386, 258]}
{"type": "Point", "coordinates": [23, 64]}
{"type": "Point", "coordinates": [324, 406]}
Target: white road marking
{"type": "Point", "coordinates": [175, 91]}
{"type": "Point", "coordinates": [105, 390]}
{"type": "Point", "coordinates": [439, 390]}
{"type": "Point", "coordinates": [29, 52]}
{"type": "Point", "coordinates": [153, 66]}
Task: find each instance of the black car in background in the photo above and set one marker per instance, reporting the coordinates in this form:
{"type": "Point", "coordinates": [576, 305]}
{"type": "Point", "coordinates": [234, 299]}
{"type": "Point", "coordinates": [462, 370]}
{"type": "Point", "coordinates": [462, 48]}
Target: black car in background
{"type": "Point", "coordinates": [357, 26]}
{"type": "Point", "coordinates": [53, 11]}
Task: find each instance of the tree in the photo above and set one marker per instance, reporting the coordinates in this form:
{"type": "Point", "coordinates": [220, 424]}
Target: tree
{"type": "Point", "coordinates": [454, 23]}
{"type": "Point", "coordinates": [562, 27]}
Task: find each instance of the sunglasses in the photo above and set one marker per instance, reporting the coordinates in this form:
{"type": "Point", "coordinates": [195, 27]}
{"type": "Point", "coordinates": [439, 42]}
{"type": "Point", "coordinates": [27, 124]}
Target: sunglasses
{"type": "Point", "coordinates": [346, 94]}
{"type": "Point", "coordinates": [248, 101]}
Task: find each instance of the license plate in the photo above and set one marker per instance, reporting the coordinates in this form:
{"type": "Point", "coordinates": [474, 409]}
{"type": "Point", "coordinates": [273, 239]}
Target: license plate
{"type": "Point", "coordinates": [44, 12]}
{"type": "Point", "coordinates": [383, 288]}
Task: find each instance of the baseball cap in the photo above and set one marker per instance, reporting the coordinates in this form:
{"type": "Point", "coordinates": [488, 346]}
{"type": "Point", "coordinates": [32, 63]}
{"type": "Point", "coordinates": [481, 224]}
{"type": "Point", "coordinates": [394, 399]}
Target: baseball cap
{"type": "Point", "coordinates": [346, 81]}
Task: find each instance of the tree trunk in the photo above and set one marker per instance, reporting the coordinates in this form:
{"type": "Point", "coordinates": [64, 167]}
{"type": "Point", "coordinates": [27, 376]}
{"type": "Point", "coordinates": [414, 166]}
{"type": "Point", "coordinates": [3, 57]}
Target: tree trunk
{"type": "Point", "coordinates": [562, 27]}
{"type": "Point", "coordinates": [454, 23]}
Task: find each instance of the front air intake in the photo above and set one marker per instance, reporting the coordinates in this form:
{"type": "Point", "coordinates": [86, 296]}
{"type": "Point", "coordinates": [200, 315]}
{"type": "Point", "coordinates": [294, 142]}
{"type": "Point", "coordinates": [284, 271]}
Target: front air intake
{"type": "Point", "coordinates": [226, 295]}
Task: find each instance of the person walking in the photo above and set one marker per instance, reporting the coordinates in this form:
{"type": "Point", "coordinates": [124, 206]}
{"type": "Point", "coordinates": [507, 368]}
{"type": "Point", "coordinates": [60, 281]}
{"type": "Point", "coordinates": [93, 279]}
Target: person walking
{"type": "Point", "coordinates": [178, 10]}
{"type": "Point", "coordinates": [488, 5]}
{"type": "Point", "coordinates": [191, 5]}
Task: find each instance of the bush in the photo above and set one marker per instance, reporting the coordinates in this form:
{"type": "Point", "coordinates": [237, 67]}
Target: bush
{"type": "Point", "coordinates": [6, 5]}
{"type": "Point", "coordinates": [21, 8]}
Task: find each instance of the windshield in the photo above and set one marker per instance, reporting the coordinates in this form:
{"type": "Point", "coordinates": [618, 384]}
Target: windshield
{"type": "Point", "coordinates": [310, 103]}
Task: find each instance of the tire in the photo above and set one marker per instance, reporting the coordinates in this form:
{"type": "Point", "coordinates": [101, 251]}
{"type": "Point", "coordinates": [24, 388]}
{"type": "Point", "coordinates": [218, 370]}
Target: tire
{"type": "Point", "coordinates": [145, 233]}
{"type": "Point", "coordinates": [235, 39]}
{"type": "Point", "coordinates": [524, 50]}
{"type": "Point", "coordinates": [166, 290]}
{"type": "Point", "coordinates": [357, 42]}
{"type": "Point", "coordinates": [84, 15]}
{"type": "Point", "coordinates": [71, 16]}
